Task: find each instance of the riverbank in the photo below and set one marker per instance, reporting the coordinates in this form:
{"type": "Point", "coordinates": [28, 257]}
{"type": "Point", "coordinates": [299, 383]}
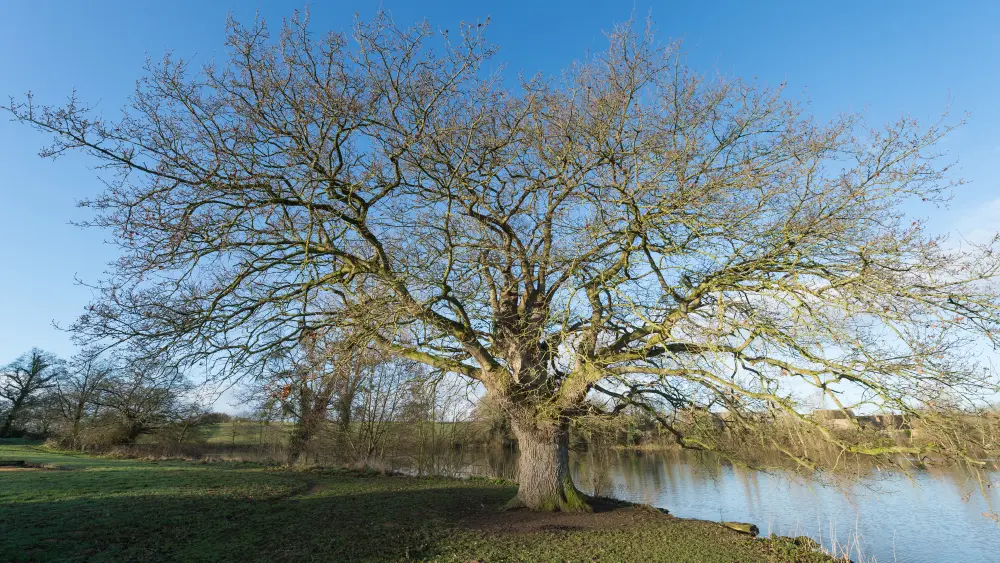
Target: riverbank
{"type": "Point", "coordinates": [73, 507]}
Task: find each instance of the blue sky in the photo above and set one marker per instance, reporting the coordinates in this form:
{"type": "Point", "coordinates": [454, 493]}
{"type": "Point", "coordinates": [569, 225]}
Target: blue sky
{"type": "Point", "coordinates": [884, 58]}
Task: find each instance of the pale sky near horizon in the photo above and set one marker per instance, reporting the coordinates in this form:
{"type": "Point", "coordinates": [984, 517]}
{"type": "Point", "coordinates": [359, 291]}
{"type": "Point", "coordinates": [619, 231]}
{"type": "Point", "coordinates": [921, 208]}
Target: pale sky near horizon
{"type": "Point", "coordinates": [883, 58]}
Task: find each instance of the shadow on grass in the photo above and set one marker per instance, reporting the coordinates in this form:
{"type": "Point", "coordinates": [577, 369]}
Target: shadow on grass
{"type": "Point", "coordinates": [390, 525]}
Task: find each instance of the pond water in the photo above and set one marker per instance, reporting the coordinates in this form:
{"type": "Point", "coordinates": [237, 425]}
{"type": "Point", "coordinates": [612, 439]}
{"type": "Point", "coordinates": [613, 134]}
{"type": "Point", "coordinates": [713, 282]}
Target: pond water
{"type": "Point", "coordinates": [930, 515]}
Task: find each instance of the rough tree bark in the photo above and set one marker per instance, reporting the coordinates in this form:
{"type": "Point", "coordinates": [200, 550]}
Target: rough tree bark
{"type": "Point", "coordinates": [544, 479]}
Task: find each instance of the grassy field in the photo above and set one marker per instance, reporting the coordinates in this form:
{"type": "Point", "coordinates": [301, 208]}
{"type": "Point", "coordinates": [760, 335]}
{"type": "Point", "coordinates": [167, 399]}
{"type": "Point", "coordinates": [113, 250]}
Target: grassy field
{"type": "Point", "coordinates": [80, 508]}
{"type": "Point", "coordinates": [246, 433]}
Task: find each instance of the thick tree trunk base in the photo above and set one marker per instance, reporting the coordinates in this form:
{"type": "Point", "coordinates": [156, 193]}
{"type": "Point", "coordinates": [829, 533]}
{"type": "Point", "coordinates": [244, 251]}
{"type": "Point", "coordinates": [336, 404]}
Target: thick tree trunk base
{"type": "Point", "coordinates": [544, 480]}
{"type": "Point", "coordinates": [569, 500]}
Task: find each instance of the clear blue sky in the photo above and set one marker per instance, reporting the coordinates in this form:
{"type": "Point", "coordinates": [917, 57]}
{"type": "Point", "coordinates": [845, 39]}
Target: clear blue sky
{"type": "Point", "coordinates": [881, 57]}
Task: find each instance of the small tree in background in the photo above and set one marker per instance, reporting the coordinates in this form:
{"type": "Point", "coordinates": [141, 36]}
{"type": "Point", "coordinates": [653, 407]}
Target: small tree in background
{"type": "Point", "coordinates": [318, 379]}
{"type": "Point", "coordinates": [142, 396]}
{"type": "Point", "coordinates": [77, 393]}
{"type": "Point", "coordinates": [381, 401]}
{"type": "Point", "coordinates": [24, 381]}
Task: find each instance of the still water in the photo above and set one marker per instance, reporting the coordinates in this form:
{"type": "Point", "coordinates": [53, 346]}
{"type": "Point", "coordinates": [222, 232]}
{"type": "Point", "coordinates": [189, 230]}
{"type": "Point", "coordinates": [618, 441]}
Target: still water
{"type": "Point", "coordinates": [931, 515]}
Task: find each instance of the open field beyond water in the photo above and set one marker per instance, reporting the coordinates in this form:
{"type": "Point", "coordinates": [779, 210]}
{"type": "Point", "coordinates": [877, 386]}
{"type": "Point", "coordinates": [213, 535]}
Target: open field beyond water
{"type": "Point", "coordinates": [78, 508]}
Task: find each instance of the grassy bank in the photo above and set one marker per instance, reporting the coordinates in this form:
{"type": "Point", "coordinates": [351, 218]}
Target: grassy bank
{"type": "Point", "coordinates": [80, 508]}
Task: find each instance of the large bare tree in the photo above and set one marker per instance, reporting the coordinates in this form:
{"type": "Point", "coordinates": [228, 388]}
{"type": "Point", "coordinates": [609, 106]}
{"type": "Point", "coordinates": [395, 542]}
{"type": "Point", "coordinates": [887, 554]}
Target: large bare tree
{"type": "Point", "coordinates": [627, 233]}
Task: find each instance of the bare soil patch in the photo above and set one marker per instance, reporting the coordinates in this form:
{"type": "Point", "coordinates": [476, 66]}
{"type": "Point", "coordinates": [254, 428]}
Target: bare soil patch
{"type": "Point", "coordinates": [8, 465]}
{"type": "Point", "coordinates": [608, 514]}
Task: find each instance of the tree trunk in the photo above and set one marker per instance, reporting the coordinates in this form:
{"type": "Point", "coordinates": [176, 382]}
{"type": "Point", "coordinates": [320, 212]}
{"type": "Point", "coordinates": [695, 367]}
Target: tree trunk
{"type": "Point", "coordinates": [77, 417]}
{"type": "Point", "coordinates": [344, 405]}
{"type": "Point", "coordinates": [544, 480]}
{"type": "Point", "coordinates": [305, 430]}
{"type": "Point", "coordinates": [297, 442]}
{"type": "Point", "coordinates": [343, 425]}
{"type": "Point", "coordinates": [8, 422]}
{"type": "Point", "coordinates": [134, 430]}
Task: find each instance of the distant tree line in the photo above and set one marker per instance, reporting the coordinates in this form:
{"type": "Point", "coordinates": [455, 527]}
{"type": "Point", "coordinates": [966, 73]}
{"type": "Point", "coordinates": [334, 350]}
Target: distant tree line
{"type": "Point", "coordinates": [94, 401]}
{"type": "Point", "coordinates": [357, 404]}
{"type": "Point", "coordinates": [328, 397]}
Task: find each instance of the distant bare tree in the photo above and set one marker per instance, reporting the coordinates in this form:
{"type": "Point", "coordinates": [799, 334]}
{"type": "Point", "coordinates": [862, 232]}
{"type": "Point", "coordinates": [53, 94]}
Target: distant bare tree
{"type": "Point", "coordinates": [77, 393]}
{"type": "Point", "coordinates": [629, 233]}
{"type": "Point", "coordinates": [382, 398]}
{"type": "Point", "coordinates": [23, 381]}
{"type": "Point", "coordinates": [142, 396]}
{"type": "Point", "coordinates": [324, 373]}
{"type": "Point", "coordinates": [356, 365]}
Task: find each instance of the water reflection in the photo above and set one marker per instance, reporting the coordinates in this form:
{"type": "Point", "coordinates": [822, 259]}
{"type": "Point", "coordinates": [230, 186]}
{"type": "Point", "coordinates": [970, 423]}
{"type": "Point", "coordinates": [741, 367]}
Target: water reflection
{"type": "Point", "coordinates": [930, 515]}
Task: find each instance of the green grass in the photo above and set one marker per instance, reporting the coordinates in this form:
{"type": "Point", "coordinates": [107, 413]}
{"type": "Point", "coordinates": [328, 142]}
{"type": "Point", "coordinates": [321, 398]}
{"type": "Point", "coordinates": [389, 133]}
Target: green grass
{"type": "Point", "coordinates": [246, 433]}
{"type": "Point", "coordinates": [243, 433]}
{"type": "Point", "coordinates": [92, 509]}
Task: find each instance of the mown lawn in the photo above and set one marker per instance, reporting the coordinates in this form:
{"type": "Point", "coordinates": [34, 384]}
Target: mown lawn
{"type": "Point", "coordinates": [80, 508]}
